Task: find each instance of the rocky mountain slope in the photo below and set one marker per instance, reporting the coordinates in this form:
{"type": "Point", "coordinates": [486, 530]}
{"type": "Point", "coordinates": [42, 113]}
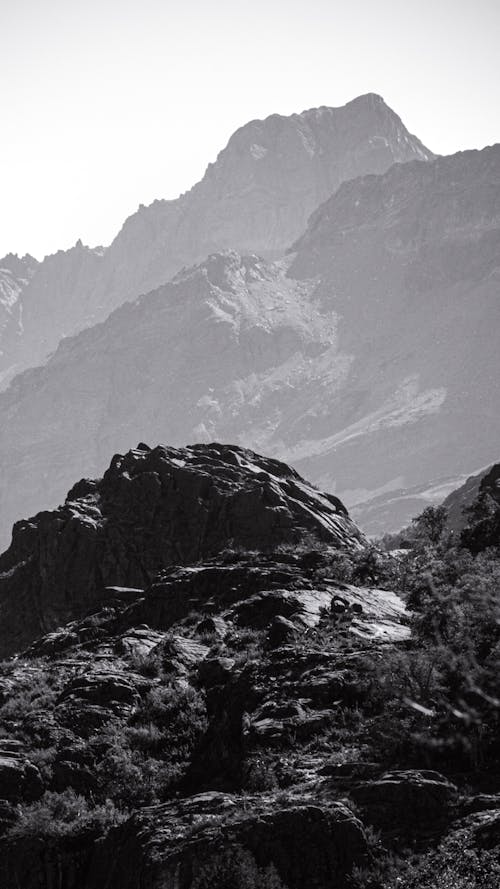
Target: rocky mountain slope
{"type": "Point", "coordinates": [410, 261]}
{"type": "Point", "coordinates": [459, 501]}
{"type": "Point", "coordinates": [358, 359]}
{"type": "Point", "coordinates": [256, 197]}
{"type": "Point", "coordinates": [231, 703]}
{"type": "Point", "coordinates": [153, 509]}
{"type": "Point", "coordinates": [15, 276]}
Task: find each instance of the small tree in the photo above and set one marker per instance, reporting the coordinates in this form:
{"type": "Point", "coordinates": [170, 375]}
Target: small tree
{"type": "Point", "coordinates": [430, 524]}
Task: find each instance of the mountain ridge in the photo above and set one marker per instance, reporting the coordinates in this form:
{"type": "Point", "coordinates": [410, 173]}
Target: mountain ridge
{"type": "Point", "coordinates": [251, 202]}
{"type": "Point", "coordinates": [292, 358]}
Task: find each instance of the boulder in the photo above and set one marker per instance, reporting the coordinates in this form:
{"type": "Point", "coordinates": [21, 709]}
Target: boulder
{"type": "Point", "coordinates": [19, 778]}
{"type": "Point", "coordinates": [282, 631]}
{"type": "Point", "coordinates": [408, 802]}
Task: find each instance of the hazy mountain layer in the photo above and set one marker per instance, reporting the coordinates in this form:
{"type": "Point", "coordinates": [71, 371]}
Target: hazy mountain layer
{"type": "Point", "coordinates": [256, 197]}
{"type": "Point", "coordinates": [371, 364]}
{"type": "Point", "coordinates": [230, 350]}
{"type": "Point", "coordinates": [15, 275]}
{"type": "Point", "coordinates": [411, 262]}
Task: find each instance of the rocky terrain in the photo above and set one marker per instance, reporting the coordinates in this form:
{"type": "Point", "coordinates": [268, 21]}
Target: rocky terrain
{"type": "Point", "coordinates": [410, 261]}
{"type": "Point", "coordinates": [358, 358]}
{"type": "Point", "coordinates": [153, 509]}
{"type": "Point", "coordinates": [256, 197]}
{"type": "Point", "coordinates": [215, 681]}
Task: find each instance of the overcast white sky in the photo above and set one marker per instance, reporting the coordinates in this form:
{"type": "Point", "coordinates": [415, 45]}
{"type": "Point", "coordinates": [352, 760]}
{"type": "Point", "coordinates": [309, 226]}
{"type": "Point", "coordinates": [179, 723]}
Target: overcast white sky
{"type": "Point", "coordinates": [106, 104]}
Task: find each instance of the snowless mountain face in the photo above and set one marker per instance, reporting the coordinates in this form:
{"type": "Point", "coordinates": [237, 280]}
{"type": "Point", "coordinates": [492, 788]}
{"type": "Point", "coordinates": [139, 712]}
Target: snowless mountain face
{"type": "Point", "coordinates": [368, 359]}
{"type": "Point", "coordinates": [411, 262]}
{"type": "Point", "coordinates": [230, 350]}
{"type": "Point", "coordinates": [15, 274]}
{"type": "Point", "coordinates": [256, 197]}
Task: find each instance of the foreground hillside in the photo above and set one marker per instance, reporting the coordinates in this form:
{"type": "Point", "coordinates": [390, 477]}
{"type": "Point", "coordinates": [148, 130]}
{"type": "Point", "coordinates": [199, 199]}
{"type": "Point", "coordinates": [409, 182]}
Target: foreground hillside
{"type": "Point", "coordinates": [232, 692]}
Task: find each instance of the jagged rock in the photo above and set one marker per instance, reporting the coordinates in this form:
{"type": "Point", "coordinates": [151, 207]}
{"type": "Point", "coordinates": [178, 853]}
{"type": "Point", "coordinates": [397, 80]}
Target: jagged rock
{"type": "Point", "coordinates": [260, 610]}
{"type": "Point", "coordinates": [486, 829]}
{"type": "Point", "coordinates": [408, 802]}
{"type": "Point", "coordinates": [215, 671]}
{"type": "Point", "coordinates": [138, 641]}
{"type": "Point", "coordinates": [19, 778]}
{"type": "Point", "coordinates": [212, 626]}
{"type": "Point", "coordinates": [273, 723]}
{"type": "Point", "coordinates": [91, 699]}
{"type": "Point", "coordinates": [180, 655]}
{"type": "Point", "coordinates": [152, 509]}
{"type": "Point", "coordinates": [173, 844]}
{"type": "Point", "coordinates": [282, 631]}
{"type": "Point", "coordinates": [480, 803]}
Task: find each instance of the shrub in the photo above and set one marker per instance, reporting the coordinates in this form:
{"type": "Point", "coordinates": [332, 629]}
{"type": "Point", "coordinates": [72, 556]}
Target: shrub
{"type": "Point", "coordinates": [235, 868]}
{"type": "Point", "coordinates": [64, 814]}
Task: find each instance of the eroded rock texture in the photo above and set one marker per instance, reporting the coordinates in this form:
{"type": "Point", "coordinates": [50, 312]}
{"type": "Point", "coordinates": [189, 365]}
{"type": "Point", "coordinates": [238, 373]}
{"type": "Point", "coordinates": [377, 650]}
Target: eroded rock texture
{"type": "Point", "coordinates": [152, 509]}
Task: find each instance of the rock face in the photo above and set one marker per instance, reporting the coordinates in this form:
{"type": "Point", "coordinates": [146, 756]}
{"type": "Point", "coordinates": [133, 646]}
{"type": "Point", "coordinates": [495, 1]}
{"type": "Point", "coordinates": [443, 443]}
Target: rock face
{"type": "Point", "coordinates": [410, 261]}
{"type": "Point", "coordinates": [483, 514]}
{"type": "Point", "coordinates": [15, 275]}
{"type": "Point", "coordinates": [152, 509]}
{"type": "Point", "coordinates": [461, 499]}
{"type": "Point", "coordinates": [257, 196]}
{"type": "Point", "coordinates": [308, 842]}
{"type": "Point", "coordinates": [184, 718]}
{"type": "Point", "coordinates": [419, 802]}
{"type": "Point", "coordinates": [19, 779]}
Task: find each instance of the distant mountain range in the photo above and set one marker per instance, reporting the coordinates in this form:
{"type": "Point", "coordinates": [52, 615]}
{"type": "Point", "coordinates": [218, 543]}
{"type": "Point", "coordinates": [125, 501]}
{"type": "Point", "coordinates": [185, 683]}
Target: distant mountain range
{"type": "Point", "coordinates": [365, 354]}
{"type": "Point", "coordinates": [256, 197]}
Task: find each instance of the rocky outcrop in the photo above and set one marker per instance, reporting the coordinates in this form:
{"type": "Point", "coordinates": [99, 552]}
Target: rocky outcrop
{"type": "Point", "coordinates": [408, 803]}
{"type": "Point", "coordinates": [307, 841]}
{"type": "Point", "coordinates": [19, 778]}
{"type": "Point", "coordinates": [153, 509]}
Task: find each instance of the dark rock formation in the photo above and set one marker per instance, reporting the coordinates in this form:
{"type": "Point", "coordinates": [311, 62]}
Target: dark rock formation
{"type": "Point", "coordinates": [152, 509]}
{"type": "Point", "coordinates": [310, 842]}
{"type": "Point", "coordinates": [482, 529]}
{"type": "Point", "coordinates": [408, 803]}
{"type": "Point", "coordinates": [19, 778]}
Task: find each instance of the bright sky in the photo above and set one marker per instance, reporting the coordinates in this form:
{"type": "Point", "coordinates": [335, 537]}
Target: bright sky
{"type": "Point", "coordinates": [106, 104]}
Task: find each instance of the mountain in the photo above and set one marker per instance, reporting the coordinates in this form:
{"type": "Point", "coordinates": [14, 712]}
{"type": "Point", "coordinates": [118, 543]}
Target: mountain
{"type": "Point", "coordinates": [153, 509]}
{"type": "Point", "coordinates": [15, 275]}
{"type": "Point", "coordinates": [411, 262]}
{"type": "Point", "coordinates": [230, 350]}
{"type": "Point", "coordinates": [359, 358]}
{"type": "Point", "coordinates": [256, 197]}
